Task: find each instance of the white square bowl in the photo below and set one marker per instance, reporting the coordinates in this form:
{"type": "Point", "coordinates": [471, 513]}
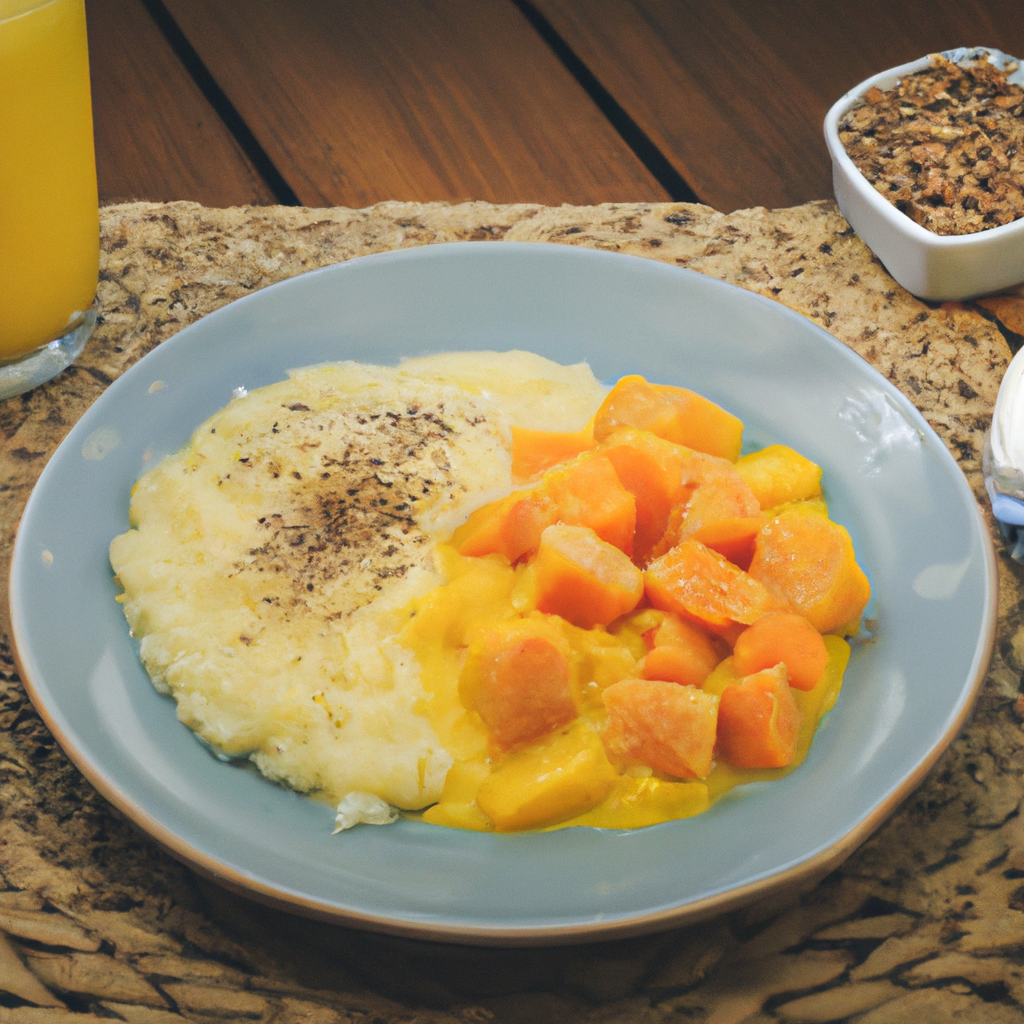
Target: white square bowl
{"type": "Point", "coordinates": [931, 266]}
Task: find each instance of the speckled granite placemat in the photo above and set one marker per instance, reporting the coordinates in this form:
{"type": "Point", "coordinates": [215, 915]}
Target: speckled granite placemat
{"type": "Point", "coordinates": [924, 922]}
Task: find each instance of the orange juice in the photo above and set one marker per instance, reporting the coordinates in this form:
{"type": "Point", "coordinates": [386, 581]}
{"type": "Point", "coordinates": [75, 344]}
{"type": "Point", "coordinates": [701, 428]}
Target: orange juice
{"type": "Point", "coordinates": [49, 212]}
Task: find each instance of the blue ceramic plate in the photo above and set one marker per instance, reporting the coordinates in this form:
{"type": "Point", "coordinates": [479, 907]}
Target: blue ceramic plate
{"type": "Point", "coordinates": [888, 478]}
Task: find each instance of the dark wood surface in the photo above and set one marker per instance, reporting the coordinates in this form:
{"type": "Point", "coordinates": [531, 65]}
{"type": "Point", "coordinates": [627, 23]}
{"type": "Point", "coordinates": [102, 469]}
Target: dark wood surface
{"type": "Point", "coordinates": [157, 136]}
{"type": "Point", "coordinates": [351, 102]}
{"type": "Point", "coordinates": [413, 100]}
{"type": "Point", "coordinates": [735, 93]}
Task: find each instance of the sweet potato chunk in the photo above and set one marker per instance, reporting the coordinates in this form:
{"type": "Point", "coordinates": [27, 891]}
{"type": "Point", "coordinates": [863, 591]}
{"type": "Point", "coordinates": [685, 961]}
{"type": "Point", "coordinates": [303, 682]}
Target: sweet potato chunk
{"type": "Point", "coordinates": [668, 727]}
{"type": "Point", "coordinates": [808, 563]}
{"type": "Point", "coordinates": [564, 775]}
{"type": "Point", "coordinates": [587, 492]}
{"type": "Point", "coordinates": [510, 526]}
{"type": "Point", "coordinates": [584, 579]}
{"type": "Point", "coordinates": [713, 491]}
{"type": "Point", "coordinates": [681, 652]}
{"type": "Point", "coordinates": [670, 412]}
{"type": "Point", "coordinates": [673, 631]}
{"type": "Point", "coordinates": [758, 721]}
{"type": "Point", "coordinates": [778, 474]}
{"type": "Point", "coordinates": [675, 665]}
{"type": "Point", "coordinates": [734, 538]}
{"type": "Point", "coordinates": [651, 469]}
{"type": "Point", "coordinates": [535, 451]}
{"type": "Point", "coordinates": [518, 676]}
{"type": "Point", "coordinates": [701, 584]}
{"type": "Point", "coordinates": [782, 637]}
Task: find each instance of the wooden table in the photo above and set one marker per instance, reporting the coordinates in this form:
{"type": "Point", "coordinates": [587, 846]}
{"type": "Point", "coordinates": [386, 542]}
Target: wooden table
{"type": "Point", "coordinates": [351, 102]}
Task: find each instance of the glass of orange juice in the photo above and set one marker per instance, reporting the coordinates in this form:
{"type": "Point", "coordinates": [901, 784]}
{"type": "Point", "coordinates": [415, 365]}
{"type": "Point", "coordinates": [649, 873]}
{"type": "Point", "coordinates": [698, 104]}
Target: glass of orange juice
{"type": "Point", "coordinates": [49, 211]}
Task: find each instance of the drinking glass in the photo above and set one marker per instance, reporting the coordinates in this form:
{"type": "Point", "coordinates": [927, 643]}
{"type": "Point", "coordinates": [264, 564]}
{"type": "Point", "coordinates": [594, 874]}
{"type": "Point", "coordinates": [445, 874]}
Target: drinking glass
{"type": "Point", "coordinates": [49, 211]}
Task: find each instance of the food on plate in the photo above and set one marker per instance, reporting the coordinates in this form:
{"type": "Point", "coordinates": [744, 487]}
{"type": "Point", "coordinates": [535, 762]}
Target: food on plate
{"type": "Point", "coordinates": [486, 588]}
{"type": "Point", "coordinates": [271, 560]}
{"type": "Point", "coordinates": [944, 144]}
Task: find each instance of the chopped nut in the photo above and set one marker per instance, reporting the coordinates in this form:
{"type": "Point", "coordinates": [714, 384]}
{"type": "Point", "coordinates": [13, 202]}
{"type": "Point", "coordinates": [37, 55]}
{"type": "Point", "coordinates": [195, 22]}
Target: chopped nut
{"type": "Point", "coordinates": [939, 145]}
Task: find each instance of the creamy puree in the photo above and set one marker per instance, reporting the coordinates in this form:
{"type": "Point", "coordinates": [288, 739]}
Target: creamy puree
{"type": "Point", "coordinates": [271, 563]}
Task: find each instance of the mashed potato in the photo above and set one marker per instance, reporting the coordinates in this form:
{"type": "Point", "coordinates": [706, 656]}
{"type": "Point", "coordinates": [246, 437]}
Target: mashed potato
{"type": "Point", "coordinates": [271, 561]}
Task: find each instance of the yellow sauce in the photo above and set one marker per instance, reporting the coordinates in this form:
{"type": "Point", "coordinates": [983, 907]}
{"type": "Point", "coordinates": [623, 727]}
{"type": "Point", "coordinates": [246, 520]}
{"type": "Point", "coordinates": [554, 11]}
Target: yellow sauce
{"type": "Point", "coordinates": [565, 778]}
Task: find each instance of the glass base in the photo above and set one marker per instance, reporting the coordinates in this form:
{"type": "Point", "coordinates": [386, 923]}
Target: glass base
{"type": "Point", "coordinates": [44, 363]}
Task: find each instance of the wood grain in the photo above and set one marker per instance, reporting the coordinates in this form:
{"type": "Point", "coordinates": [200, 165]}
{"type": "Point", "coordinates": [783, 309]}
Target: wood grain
{"type": "Point", "coordinates": [734, 92]}
{"type": "Point", "coordinates": [359, 102]}
{"type": "Point", "coordinates": [156, 135]}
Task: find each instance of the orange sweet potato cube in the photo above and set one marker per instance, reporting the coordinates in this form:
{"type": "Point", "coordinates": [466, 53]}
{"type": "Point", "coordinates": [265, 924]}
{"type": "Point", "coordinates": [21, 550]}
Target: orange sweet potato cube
{"type": "Point", "coordinates": [675, 665]}
{"type": "Point", "coordinates": [712, 491]}
{"type": "Point", "coordinates": [680, 652]}
{"type": "Point", "coordinates": [651, 469]}
{"type": "Point", "coordinates": [586, 492]}
{"type": "Point", "coordinates": [536, 451]}
{"type": "Point", "coordinates": [589, 493]}
{"type": "Point", "coordinates": [668, 727]}
{"type": "Point", "coordinates": [518, 676]}
{"type": "Point", "coordinates": [759, 721]}
{"type": "Point", "coordinates": [808, 563]}
{"type": "Point", "coordinates": [509, 526]}
{"type": "Point", "coordinates": [584, 579]}
{"type": "Point", "coordinates": [782, 637]}
{"type": "Point", "coordinates": [735, 538]}
{"type": "Point", "coordinates": [698, 583]}
{"type": "Point", "coordinates": [673, 413]}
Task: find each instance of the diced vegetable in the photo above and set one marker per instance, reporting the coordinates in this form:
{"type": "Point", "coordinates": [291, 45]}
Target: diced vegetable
{"type": "Point", "coordinates": [673, 413]}
{"type": "Point", "coordinates": [681, 652]}
{"type": "Point", "coordinates": [778, 474]}
{"type": "Point", "coordinates": [807, 562]}
{"type": "Point", "coordinates": [535, 451]}
{"type": "Point", "coordinates": [585, 493]}
{"type": "Point", "coordinates": [674, 631]}
{"type": "Point", "coordinates": [716, 492]}
{"type": "Point", "coordinates": [651, 469]}
{"type": "Point", "coordinates": [733, 538]}
{"type": "Point", "coordinates": [564, 775]}
{"type": "Point", "coordinates": [589, 493]}
{"type": "Point", "coordinates": [675, 665]}
{"type": "Point", "coordinates": [671, 728]}
{"type": "Point", "coordinates": [699, 583]}
{"type": "Point", "coordinates": [782, 637]}
{"type": "Point", "coordinates": [518, 677]}
{"type": "Point", "coordinates": [583, 578]}
{"type": "Point", "coordinates": [511, 526]}
{"type": "Point", "coordinates": [758, 721]}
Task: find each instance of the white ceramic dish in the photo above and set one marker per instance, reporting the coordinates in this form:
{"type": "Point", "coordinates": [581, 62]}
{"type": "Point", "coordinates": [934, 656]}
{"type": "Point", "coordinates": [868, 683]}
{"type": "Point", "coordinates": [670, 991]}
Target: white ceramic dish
{"type": "Point", "coordinates": [937, 267]}
{"type": "Point", "coordinates": [917, 528]}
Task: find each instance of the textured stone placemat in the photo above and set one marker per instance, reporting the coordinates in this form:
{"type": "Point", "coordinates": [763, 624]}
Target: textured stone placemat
{"type": "Point", "coordinates": [924, 922]}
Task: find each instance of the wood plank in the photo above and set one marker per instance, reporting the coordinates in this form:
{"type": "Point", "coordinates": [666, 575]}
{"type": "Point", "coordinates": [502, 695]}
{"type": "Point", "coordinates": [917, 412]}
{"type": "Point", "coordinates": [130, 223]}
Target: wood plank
{"type": "Point", "coordinates": [734, 92]}
{"type": "Point", "coordinates": [360, 102]}
{"type": "Point", "coordinates": [157, 137]}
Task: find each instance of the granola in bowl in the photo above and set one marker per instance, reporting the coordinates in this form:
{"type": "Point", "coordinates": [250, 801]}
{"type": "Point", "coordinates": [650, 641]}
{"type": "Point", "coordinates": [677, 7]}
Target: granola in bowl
{"type": "Point", "coordinates": [945, 144]}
